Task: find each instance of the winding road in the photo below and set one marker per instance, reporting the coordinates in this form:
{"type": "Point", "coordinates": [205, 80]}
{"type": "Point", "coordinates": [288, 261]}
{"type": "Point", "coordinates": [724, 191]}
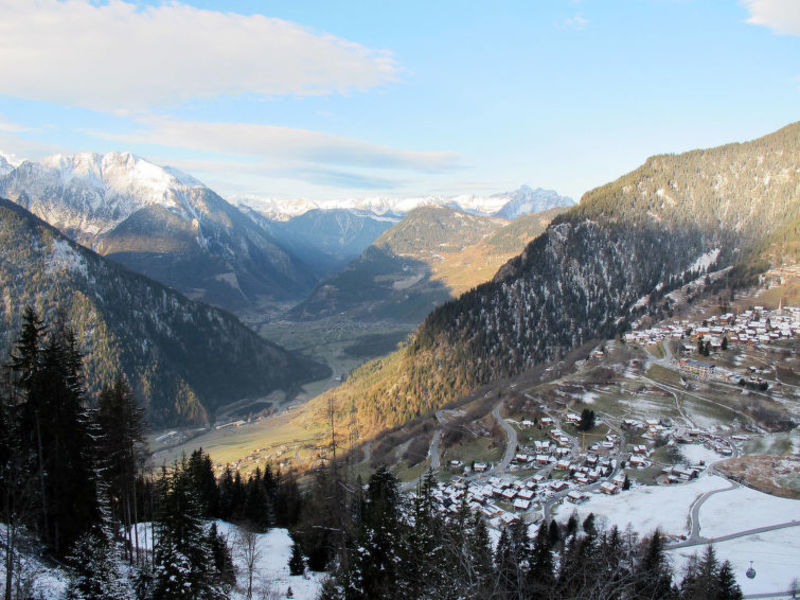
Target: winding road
{"type": "Point", "coordinates": [511, 444]}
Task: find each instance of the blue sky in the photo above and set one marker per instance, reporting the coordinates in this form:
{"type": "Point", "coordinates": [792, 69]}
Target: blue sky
{"type": "Point", "coordinates": [398, 98]}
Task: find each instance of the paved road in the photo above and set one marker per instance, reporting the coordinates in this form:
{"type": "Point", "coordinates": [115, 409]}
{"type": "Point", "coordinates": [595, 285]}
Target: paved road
{"type": "Point", "coordinates": [694, 537]}
{"type": "Point", "coordinates": [511, 444]}
{"type": "Point", "coordinates": [367, 453]}
{"type": "Point", "coordinates": [434, 451]}
{"type": "Point", "coordinates": [786, 594]}
{"type": "Point", "coordinates": [732, 536]}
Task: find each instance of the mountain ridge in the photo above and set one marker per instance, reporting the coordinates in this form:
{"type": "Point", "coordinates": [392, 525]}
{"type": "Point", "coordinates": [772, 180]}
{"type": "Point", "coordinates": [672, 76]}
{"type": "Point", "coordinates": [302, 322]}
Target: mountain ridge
{"type": "Point", "coordinates": [183, 359]}
{"type": "Point", "coordinates": [219, 256]}
{"type": "Point", "coordinates": [598, 266]}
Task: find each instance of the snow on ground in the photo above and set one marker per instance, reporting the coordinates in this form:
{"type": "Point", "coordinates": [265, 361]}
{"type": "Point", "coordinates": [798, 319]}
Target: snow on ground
{"type": "Point", "coordinates": [744, 508]}
{"type": "Point", "coordinates": [588, 397]}
{"type": "Point", "coordinates": [39, 579]}
{"type": "Point", "coordinates": [271, 577]}
{"type": "Point", "coordinates": [705, 260]}
{"type": "Point", "coordinates": [775, 556]}
{"type": "Point", "coordinates": [646, 507]}
{"type": "Point", "coordinates": [694, 453]}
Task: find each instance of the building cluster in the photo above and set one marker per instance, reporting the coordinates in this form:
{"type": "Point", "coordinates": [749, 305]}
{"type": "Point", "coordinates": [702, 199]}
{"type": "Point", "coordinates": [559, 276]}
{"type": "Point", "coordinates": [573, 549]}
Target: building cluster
{"type": "Point", "coordinates": [759, 326]}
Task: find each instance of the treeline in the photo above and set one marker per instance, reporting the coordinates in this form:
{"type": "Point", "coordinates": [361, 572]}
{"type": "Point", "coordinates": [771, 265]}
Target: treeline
{"type": "Point", "coordinates": [409, 550]}
{"type": "Point", "coordinates": [74, 482]}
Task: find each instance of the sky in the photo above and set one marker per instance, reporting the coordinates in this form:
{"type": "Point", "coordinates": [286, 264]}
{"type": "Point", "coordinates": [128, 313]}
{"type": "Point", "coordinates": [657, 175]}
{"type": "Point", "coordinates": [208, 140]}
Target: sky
{"type": "Point", "coordinates": [352, 99]}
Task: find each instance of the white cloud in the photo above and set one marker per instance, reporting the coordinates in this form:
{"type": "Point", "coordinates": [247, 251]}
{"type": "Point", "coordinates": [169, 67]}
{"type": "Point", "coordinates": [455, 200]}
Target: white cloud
{"type": "Point", "coordinates": [281, 143]}
{"type": "Point", "coordinates": [781, 16]}
{"type": "Point", "coordinates": [578, 22]}
{"type": "Point", "coordinates": [116, 55]}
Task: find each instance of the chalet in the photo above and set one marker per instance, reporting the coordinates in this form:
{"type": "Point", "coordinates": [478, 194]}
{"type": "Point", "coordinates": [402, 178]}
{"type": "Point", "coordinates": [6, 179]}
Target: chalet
{"type": "Point", "coordinates": [542, 459]}
{"type": "Point", "coordinates": [509, 494]}
{"type": "Point", "coordinates": [558, 486]}
{"type": "Point", "coordinates": [609, 488]}
{"type": "Point", "coordinates": [521, 504]}
{"type": "Point", "coordinates": [546, 421]}
{"type": "Point", "coordinates": [480, 467]}
{"type": "Point", "coordinates": [638, 461]}
{"type": "Point", "coordinates": [525, 494]}
{"type": "Point", "coordinates": [577, 497]}
{"type": "Point", "coordinates": [562, 465]}
{"type": "Point", "coordinates": [573, 418]}
{"type": "Point", "coordinates": [508, 518]}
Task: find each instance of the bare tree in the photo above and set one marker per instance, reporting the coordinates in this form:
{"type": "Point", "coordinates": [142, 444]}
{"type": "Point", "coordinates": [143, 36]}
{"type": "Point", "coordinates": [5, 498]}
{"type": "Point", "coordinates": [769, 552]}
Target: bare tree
{"type": "Point", "coordinates": [247, 546]}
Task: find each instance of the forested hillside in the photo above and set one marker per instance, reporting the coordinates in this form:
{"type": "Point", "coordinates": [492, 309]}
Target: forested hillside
{"type": "Point", "coordinates": [596, 267]}
{"type": "Point", "coordinates": [183, 359]}
{"type": "Point", "coordinates": [431, 256]}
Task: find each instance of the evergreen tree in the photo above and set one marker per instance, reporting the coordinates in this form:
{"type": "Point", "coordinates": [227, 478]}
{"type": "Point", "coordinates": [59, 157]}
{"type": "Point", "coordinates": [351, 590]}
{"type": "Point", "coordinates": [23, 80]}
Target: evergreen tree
{"type": "Point", "coordinates": [121, 451]}
{"type": "Point", "coordinates": [201, 471]}
{"type": "Point", "coordinates": [52, 419]}
{"type": "Point", "coordinates": [653, 573]}
{"type": "Point", "coordinates": [727, 588]}
{"type": "Point", "coordinates": [184, 563]}
{"type": "Point", "coordinates": [97, 563]}
{"type": "Point", "coordinates": [541, 574]}
{"type": "Point", "coordinates": [587, 421]}
{"type": "Point", "coordinates": [224, 574]}
{"type": "Point", "coordinates": [297, 565]}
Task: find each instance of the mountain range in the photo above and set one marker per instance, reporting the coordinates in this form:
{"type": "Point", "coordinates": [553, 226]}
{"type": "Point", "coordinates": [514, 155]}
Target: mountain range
{"type": "Point", "coordinates": [183, 359]}
{"type": "Point", "coordinates": [161, 223]}
{"type": "Point", "coordinates": [507, 205]}
{"type": "Point", "coordinates": [595, 269]}
{"type": "Point", "coordinates": [251, 259]}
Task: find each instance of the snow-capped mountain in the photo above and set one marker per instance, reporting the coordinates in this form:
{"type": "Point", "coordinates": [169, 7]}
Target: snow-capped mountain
{"type": "Point", "coordinates": [6, 166]}
{"type": "Point", "coordinates": [509, 205]}
{"type": "Point", "coordinates": [89, 194]}
{"type": "Point", "coordinates": [162, 223]}
{"type": "Point", "coordinates": [527, 200]}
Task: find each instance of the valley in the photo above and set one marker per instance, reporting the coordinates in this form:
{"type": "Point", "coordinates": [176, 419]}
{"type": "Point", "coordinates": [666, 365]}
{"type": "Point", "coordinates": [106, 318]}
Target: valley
{"type": "Point", "coordinates": [678, 438]}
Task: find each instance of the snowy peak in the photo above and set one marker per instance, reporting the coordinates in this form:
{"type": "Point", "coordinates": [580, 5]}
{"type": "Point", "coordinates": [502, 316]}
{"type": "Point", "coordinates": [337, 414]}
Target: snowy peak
{"type": "Point", "coordinates": [88, 193]}
{"type": "Point", "coordinates": [6, 166]}
{"type": "Point", "coordinates": [509, 205]}
{"type": "Point", "coordinates": [527, 200]}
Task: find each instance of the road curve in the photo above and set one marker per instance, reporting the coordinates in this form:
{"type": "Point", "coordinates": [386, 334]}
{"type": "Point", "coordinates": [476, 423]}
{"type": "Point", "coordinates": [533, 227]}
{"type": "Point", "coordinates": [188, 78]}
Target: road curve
{"type": "Point", "coordinates": [511, 444]}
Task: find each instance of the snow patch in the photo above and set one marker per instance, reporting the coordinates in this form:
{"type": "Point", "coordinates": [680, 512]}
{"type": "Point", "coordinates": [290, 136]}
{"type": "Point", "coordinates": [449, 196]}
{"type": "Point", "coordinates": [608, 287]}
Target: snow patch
{"type": "Point", "coordinates": [65, 258]}
{"type": "Point", "coordinates": [705, 260]}
{"type": "Point", "coordinates": [647, 508]}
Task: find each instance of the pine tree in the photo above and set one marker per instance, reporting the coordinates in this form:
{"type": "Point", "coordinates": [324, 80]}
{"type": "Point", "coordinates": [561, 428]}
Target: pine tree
{"type": "Point", "coordinates": [184, 563]}
{"type": "Point", "coordinates": [121, 451]}
{"type": "Point", "coordinates": [297, 565]}
{"type": "Point", "coordinates": [727, 588]}
{"type": "Point", "coordinates": [97, 562]}
{"type": "Point", "coordinates": [541, 576]}
{"type": "Point", "coordinates": [53, 421]}
{"type": "Point", "coordinates": [224, 574]}
{"type": "Point", "coordinates": [653, 575]}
